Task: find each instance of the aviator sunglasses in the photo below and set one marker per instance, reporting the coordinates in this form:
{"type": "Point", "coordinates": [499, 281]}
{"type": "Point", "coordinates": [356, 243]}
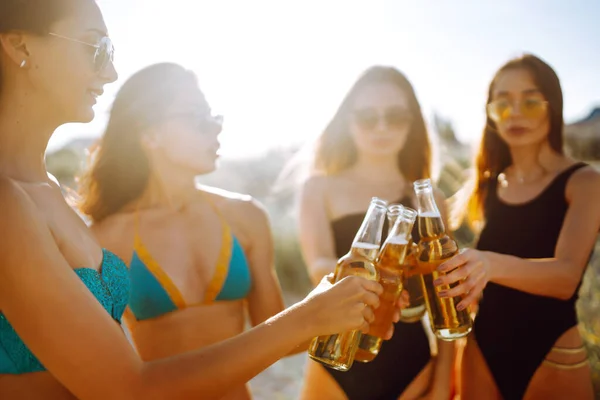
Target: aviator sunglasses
{"type": "Point", "coordinates": [500, 110]}
{"type": "Point", "coordinates": [104, 53]}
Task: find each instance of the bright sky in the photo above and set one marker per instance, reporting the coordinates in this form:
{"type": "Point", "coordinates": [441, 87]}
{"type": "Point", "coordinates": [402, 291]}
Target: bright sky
{"type": "Point", "coordinates": [278, 69]}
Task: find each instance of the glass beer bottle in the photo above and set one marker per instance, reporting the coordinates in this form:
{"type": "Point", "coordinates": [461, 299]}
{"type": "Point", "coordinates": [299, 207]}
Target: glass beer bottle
{"type": "Point", "coordinates": [391, 275]}
{"type": "Point", "coordinates": [412, 281]}
{"type": "Point", "coordinates": [435, 247]}
{"type": "Point", "coordinates": [338, 351]}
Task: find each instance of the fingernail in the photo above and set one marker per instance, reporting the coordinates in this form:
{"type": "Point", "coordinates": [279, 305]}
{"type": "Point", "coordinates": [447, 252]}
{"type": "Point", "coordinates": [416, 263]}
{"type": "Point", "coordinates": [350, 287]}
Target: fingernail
{"type": "Point", "coordinates": [460, 307]}
{"type": "Point", "coordinates": [443, 294]}
{"type": "Point", "coordinates": [437, 282]}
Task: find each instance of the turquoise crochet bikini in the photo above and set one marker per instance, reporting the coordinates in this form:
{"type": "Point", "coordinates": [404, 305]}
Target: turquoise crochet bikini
{"type": "Point", "coordinates": [110, 286]}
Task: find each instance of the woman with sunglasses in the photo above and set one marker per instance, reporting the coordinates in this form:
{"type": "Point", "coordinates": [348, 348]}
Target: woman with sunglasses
{"type": "Point", "coordinates": [375, 145]}
{"type": "Point", "coordinates": [540, 217]}
{"type": "Point", "coordinates": [61, 295]}
{"type": "Point", "coordinates": [195, 254]}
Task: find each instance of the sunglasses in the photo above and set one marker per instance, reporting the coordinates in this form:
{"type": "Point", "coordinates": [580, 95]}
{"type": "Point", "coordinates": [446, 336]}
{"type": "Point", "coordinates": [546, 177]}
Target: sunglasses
{"type": "Point", "coordinates": [204, 123]}
{"type": "Point", "coordinates": [500, 110]}
{"type": "Point", "coordinates": [369, 119]}
{"type": "Point", "coordinates": [104, 53]}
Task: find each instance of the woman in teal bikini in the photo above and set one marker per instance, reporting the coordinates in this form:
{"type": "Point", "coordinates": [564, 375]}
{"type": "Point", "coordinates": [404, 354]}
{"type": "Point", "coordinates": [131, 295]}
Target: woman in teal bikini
{"type": "Point", "coordinates": [61, 295]}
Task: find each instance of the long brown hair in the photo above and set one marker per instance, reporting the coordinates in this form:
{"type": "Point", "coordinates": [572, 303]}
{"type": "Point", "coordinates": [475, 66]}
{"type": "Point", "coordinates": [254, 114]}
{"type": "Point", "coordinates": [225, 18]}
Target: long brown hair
{"type": "Point", "coordinates": [336, 150]}
{"type": "Point", "coordinates": [494, 154]}
{"type": "Point", "coordinates": [120, 169]}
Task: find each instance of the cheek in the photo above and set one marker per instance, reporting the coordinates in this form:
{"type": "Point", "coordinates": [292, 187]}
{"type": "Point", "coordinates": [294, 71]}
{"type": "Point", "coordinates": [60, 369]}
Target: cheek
{"type": "Point", "coordinates": [185, 147]}
{"type": "Point", "coordinates": [390, 143]}
{"type": "Point", "coordinates": [65, 87]}
{"type": "Point", "coordinates": [360, 138]}
{"type": "Point", "coordinates": [401, 137]}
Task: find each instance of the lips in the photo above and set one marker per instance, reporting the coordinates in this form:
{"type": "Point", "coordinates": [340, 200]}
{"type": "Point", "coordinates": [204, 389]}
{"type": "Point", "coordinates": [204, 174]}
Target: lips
{"type": "Point", "coordinates": [517, 130]}
{"type": "Point", "coordinates": [214, 150]}
{"type": "Point", "coordinates": [95, 93]}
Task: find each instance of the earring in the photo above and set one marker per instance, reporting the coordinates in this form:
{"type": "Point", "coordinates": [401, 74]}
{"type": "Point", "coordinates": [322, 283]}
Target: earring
{"type": "Point", "coordinates": [23, 63]}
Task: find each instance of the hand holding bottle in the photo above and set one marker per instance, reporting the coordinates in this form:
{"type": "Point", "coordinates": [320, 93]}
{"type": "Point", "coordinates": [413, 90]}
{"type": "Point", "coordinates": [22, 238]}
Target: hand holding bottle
{"type": "Point", "coordinates": [343, 306]}
{"type": "Point", "coordinates": [470, 269]}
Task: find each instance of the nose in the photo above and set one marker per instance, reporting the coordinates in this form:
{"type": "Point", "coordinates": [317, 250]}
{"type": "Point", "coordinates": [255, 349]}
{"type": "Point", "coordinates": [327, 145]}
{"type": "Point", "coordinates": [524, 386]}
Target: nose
{"type": "Point", "coordinates": [109, 73]}
{"type": "Point", "coordinates": [515, 109]}
{"type": "Point", "coordinates": [381, 124]}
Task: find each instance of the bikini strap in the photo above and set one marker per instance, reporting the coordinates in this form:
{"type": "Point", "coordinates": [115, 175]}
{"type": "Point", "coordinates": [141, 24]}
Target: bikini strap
{"type": "Point", "coordinates": [222, 268]}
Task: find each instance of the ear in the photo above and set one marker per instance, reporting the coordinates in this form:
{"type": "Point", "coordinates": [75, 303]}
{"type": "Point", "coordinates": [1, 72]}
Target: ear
{"type": "Point", "coordinates": [14, 45]}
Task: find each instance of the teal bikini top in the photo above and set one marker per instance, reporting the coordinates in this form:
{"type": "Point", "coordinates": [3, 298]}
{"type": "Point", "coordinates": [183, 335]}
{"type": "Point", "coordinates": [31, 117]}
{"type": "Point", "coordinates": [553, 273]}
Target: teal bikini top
{"type": "Point", "coordinates": [154, 294]}
{"type": "Point", "coordinates": [110, 286]}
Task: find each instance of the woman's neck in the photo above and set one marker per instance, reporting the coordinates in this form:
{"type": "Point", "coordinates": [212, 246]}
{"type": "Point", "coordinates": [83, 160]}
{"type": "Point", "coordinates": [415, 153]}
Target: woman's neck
{"type": "Point", "coordinates": [376, 170]}
{"type": "Point", "coordinates": [25, 129]}
{"type": "Point", "coordinates": [172, 191]}
{"type": "Point", "coordinates": [531, 163]}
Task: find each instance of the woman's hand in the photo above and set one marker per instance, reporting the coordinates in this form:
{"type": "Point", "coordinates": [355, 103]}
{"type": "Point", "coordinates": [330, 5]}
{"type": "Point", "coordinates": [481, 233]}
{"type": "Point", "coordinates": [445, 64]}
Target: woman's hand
{"type": "Point", "coordinates": [343, 306]}
{"type": "Point", "coordinates": [471, 270]}
{"type": "Point", "coordinates": [347, 305]}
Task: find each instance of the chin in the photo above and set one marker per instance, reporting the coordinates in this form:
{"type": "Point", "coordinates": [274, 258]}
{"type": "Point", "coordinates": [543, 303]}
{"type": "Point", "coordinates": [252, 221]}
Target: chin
{"type": "Point", "coordinates": [521, 142]}
{"type": "Point", "coordinates": [204, 169]}
{"type": "Point", "coordinates": [84, 115]}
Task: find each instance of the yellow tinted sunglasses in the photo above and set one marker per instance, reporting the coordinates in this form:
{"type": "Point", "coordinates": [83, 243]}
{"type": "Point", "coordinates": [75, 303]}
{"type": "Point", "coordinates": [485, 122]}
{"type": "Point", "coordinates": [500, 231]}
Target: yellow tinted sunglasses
{"type": "Point", "coordinates": [499, 110]}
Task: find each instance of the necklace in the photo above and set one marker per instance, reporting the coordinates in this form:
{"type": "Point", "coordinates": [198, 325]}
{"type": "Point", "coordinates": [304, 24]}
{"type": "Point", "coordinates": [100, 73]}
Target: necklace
{"type": "Point", "coordinates": [521, 178]}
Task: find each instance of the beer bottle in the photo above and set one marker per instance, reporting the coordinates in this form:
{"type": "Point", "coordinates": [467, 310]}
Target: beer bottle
{"type": "Point", "coordinates": [435, 247]}
{"type": "Point", "coordinates": [338, 351]}
{"type": "Point", "coordinates": [391, 275]}
{"type": "Point", "coordinates": [412, 282]}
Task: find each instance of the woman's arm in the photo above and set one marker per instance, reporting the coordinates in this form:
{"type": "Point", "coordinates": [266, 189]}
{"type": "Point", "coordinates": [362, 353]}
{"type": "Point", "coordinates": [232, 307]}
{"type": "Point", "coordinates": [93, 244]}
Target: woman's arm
{"type": "Point", "coordinates": [441, 379]}
{"type": "Point", "coordinates": [316, 237]}
{"type": "Point", "coordinates": [265, 298]}
{"type": "Point", "coordinates": [82, 347]}
{"type": "Point", "coordinates": [554, 277]}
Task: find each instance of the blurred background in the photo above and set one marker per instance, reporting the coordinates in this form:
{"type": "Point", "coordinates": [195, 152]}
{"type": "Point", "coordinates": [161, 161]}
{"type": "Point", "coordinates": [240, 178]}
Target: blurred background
{"type": "Point", "coordinates": [277, 70]}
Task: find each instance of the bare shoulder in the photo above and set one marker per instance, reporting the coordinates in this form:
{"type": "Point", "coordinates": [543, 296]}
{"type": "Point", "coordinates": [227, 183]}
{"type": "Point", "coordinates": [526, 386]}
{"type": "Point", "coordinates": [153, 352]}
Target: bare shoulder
{"type": "Point", "coordinates": [222, 195]}
{"type": "Point", "coordinates": [22, 221]}
{"type": "Point", "coordinates": [316, 185]}
{"type": "Point", "coordinates": [14, 201]}
{"type": "Point", "coordinates": [240, 206]}
{"type": "Point", "coordinates": [584, 182]}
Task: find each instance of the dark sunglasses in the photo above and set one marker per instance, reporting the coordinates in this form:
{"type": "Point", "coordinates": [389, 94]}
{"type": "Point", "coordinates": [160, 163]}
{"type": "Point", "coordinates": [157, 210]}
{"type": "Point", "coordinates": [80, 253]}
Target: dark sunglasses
{"type": "Point", "coordinates": [105, 51]}
{"type": "Point", "coordinates": [368, 119]}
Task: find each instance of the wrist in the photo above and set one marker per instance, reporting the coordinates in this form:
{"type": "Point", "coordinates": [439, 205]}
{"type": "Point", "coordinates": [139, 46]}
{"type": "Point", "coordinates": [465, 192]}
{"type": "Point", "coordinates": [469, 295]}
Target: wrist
{"type": "Point", "coordinates": [297, 322]}
{"type": "Point", "coordinates": [490, 258]}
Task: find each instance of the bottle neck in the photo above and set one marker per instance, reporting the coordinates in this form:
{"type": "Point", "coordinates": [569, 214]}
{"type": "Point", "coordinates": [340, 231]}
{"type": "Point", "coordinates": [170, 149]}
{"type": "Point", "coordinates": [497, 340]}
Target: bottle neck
{"type": "Point", "coordinates": [365, 250]}
{"type": "Point", "coordinates": [400, 231]}
{"type": "Point", "coordinates": [369, 234]}
{"type": "Point", "coordinates": [430, 219]}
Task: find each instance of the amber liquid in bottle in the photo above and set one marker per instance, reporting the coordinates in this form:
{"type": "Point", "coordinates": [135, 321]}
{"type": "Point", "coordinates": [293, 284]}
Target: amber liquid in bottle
{"type": "Point", "coordinates": [338, 351]}
{"type": "Point", "coordinates": [436, 247]}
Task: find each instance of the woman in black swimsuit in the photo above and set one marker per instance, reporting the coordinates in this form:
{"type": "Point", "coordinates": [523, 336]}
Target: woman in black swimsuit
{"type": "Point", "coordinates": [375, 145]}
{"type": "Point", "coordinates": [540, 214]}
